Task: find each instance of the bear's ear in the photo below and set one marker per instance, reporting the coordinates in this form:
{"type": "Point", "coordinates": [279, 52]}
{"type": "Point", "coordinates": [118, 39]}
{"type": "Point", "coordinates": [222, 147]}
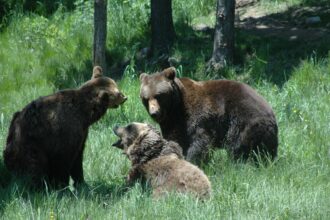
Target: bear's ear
{"type": "Point", "coordinates": [97, 72]}
{"type": "Point", "coordinates": [143, 77]}
{"type": "Point", "coordinates": [170, 73]}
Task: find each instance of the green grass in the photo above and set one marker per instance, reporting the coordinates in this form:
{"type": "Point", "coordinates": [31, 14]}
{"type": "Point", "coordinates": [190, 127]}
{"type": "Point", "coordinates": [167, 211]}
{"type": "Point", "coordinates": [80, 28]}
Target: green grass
{"type": "Point", "coordinates": [39, 56]}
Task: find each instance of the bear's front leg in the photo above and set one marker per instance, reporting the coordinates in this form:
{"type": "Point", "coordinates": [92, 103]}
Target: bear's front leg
{"type": "Point", "coordinates": [76, 171]}
{"type": "Point", "coordinates": [133, 175]}
{"type": "Point", "coordinates": [199, 147]}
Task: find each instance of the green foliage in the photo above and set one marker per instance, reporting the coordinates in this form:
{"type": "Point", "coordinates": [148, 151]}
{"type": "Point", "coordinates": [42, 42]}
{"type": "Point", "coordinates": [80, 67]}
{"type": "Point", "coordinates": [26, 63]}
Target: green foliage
{"type": "Point", "coordinates": [132, 34]}
{"type": "Point", "coordinates": [197, 9]}
{"type": "Point", "coordinates": [45, 7]}
{"type": "Point", "coordinates": [40, 7]}
{"type": "Point", "coordinates": [40, 55]}
{"type": "Point", "coordinates": [38, 52]}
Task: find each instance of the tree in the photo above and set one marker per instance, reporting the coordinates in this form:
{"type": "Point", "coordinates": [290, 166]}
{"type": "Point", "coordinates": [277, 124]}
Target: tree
{"type": "Point", "coordinates": [162, 29]}
{"type": "Point", "coordinates": [100, 33]}
{"type": "Point", "coordinates": [223, 45]}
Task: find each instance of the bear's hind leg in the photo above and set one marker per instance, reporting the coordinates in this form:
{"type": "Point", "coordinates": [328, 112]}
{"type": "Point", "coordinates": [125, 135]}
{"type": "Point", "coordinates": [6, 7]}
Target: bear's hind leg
{"type": "Point", "coordinates": [261, 138]}
{"type": "Point", "coordinates": [237, 151]}
{"type": "Point", "coordinates": [267, 148]}
{"type": "Point", "coordinates": [34, 164]}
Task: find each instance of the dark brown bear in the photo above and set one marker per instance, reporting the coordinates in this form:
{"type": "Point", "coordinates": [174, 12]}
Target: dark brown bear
{"type": "Point", "coordinates": [160, 162]}
{"type": "Point", "coordinates": [46, 139]}
{"type": "Point", "coordinates": [216, 113]}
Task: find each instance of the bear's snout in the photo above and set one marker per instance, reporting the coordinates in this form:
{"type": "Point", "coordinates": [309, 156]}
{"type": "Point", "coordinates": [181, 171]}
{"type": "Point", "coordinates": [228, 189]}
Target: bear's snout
{"type": "Point", "coordinates": [117, 100]}
{"type": "Point", "coordinates": [122, 97]}
{"type": "Point", "coordinates": [154, 108]}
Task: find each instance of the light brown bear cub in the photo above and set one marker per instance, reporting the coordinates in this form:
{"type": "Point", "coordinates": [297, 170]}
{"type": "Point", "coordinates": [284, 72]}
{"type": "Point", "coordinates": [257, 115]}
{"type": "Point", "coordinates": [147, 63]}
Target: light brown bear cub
{"type": "Point", "coordinates": [160, 162]}
{"type": "Point", "coordinates": [46, 138]}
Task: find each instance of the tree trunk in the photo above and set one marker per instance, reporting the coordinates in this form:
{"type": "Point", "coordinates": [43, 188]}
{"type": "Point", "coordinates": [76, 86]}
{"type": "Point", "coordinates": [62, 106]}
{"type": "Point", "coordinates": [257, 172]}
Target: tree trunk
{"type": "Point", "coordinates": [162, 29]}
{"type": "Point", "coordinates": [100, 33]}
{"type": "Point", "coordinates": [223, 46]}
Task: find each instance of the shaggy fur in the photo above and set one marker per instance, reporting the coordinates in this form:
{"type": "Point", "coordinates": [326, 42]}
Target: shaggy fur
{"type": "Point", "coordinates": [46, 138]}
{"type": "Point", "coordinates": [160, 162]}
{"type": "Point", "coordinates": [217, 113]}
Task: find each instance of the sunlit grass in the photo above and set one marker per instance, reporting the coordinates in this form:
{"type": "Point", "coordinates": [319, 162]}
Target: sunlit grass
{"type": "Point", "coordinates": [296, 186]}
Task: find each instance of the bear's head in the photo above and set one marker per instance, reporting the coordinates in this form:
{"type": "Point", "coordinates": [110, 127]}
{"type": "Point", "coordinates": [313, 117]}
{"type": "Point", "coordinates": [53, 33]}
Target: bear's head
{"type": "Point", "coordinates": [141, 142]}
{"type": "Point", "coordinates": [133, 133]}
{"type": "Point", "coordinates": [157, 92]}
{"type": "Point", "coordinates": [104, 90]}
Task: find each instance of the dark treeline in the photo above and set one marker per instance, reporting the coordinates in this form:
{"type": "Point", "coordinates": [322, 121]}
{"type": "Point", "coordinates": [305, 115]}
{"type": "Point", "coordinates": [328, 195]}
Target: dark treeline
{"type": "Point", "coordinates": [41, 7]}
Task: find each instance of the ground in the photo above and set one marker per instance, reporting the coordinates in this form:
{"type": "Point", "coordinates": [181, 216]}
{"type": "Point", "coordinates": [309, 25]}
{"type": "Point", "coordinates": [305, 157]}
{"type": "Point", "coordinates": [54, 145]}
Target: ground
{"type": "Point", "coordinates": [288, 23]}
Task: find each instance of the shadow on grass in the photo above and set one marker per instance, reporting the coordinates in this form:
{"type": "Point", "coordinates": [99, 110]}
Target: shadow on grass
{"type": "Point", "coordinates": [102, 190]}
{"type": "Point", "coordinates": [274, 59]}
{"type": "Point", "coordinates": [13, 189]}
{"type": "Point", "coordinates": [269, 58]}
{"type": "Point", "coordinates": [273, 45]}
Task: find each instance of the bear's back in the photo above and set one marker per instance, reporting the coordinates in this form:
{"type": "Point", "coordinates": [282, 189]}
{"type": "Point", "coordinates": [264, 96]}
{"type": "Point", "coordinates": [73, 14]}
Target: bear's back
{"type": "Point", "coordinates": [49, 112]}
{"type": "Point", "coordinates": [171, 173]}
{"type": "Point", "coordinates": [224, 96]}
{"type": "Point", "coordinates": [48, 122]}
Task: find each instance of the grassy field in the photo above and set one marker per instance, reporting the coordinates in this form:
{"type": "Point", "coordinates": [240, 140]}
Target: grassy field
{"type": "Point", "coordinates": [41, 55]}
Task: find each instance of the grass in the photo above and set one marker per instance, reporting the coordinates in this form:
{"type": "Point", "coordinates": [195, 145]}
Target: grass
{"type": "Point", "coordinates": [39, 56]}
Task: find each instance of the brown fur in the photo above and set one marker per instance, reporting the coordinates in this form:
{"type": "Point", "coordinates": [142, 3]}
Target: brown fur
{"type": "Point", "coordinates": [160, 162]}
{"type": "Point", "coordinates": [216, 113]}
{"type": "Point", "coordinates": [46, 138]}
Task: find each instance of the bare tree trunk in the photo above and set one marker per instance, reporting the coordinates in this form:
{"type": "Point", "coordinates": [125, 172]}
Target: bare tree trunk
{"type": "Point", "coordinates": [162, 29]}
{"type": "Point", "coordinates": [223, 46]}
{"type": "Point", "coordinates": [100, 33]}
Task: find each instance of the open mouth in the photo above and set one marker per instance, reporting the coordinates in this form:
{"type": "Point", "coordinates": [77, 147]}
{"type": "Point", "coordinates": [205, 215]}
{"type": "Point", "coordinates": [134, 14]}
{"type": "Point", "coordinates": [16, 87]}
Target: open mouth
{"type": "Point", "coordinates": [118, 144]}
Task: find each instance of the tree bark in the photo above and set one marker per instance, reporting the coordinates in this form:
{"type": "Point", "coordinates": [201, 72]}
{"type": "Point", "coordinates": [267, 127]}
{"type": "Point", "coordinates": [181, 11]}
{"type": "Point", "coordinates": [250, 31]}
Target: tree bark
{"type": "Point", "coordinates": [224, 35]}
{"type": "Point", "coordinates": [100, 33]}
{"type": "Point", "coordinates": [162, 29]}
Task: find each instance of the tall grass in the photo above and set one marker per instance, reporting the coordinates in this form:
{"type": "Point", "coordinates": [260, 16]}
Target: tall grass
{"type": "Point", "coordinates": [41, 55]}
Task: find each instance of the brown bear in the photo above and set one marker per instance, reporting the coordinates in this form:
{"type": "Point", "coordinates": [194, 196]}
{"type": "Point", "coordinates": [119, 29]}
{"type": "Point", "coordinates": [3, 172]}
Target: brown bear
{"type": "Point", "coordinates": [201, 114]}
{"type": "Point", "coordinates": [46, 138]}
{"type": "Point", "coordinates": [160, 162]}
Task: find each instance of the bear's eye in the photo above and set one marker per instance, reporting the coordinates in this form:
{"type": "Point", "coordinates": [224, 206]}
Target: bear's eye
{"type": "Point", "coordinates": [112, 98]}
{"type": "Point", "coordinates": [160, 96]}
